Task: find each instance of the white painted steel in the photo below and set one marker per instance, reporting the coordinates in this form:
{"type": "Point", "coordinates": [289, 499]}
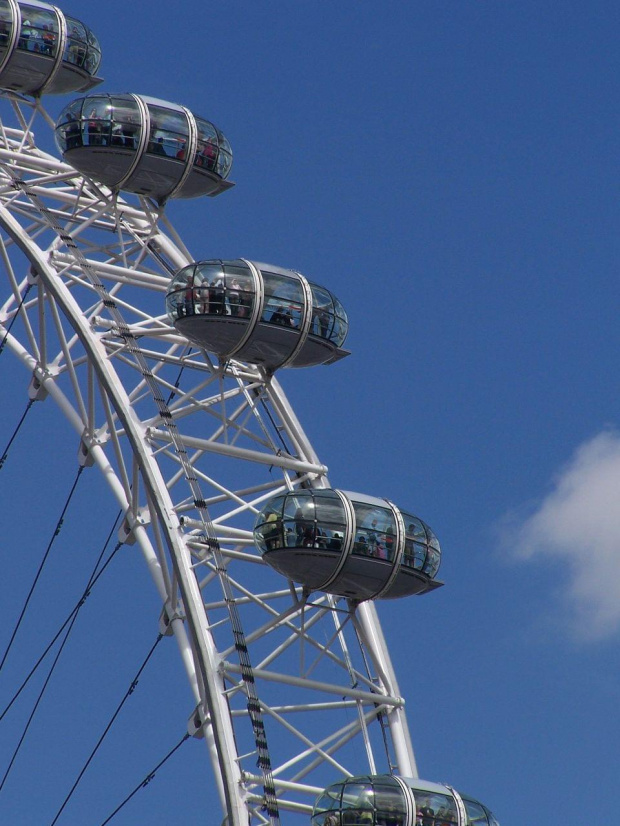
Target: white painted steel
{"type": "Point", "coordinates": [93, 333]}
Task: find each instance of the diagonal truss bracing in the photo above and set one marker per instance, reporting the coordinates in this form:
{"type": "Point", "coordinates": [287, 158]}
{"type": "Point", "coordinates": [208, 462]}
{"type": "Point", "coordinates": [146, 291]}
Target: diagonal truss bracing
{"type": "Point", "coordinates": [163, 420]}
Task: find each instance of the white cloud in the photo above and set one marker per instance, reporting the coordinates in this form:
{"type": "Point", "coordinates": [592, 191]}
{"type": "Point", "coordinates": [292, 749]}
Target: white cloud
{"type": "Point", "coordinates": [578, 524]}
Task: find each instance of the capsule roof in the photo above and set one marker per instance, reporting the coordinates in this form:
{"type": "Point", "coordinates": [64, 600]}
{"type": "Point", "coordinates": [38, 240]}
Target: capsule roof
{"type": "Point", "coordinates": [386, 800]}
{"type": "Point", "coordinates": [258, 313]}
{"type": "Point", "coordinates": [357, 546]}
{"type": "Point", "coordinates": [43, 51]}
{"type": "Point", "coordinates": [144, 145]}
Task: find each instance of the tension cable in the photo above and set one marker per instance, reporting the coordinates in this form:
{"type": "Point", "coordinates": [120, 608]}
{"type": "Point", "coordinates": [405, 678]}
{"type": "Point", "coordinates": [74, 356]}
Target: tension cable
{"type": "Point", "coordinates": [91, 582]}
{"type": "Point", "coordinates": [128, 693]}
{"type": "Point", "coordinates": [147, 779]}
{"type": "Point", "coordinates": [41, 566]}
{"type": "Point", "coordinates": [8, 329]}
{"type": "Point", "coordinates": [70, 623]}
{"type": "Point", "coordinates": [15, 432]}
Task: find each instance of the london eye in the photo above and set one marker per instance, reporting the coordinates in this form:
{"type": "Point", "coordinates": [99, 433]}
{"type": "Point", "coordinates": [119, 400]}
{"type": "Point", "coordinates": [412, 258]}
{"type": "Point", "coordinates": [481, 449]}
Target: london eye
{"type": "Point", "coordinates": [166, 365]}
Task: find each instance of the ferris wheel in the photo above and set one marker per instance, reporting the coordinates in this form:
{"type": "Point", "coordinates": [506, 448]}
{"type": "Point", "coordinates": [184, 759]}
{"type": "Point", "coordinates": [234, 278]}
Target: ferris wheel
{"type": "Point", "coordinates": [165, 365]}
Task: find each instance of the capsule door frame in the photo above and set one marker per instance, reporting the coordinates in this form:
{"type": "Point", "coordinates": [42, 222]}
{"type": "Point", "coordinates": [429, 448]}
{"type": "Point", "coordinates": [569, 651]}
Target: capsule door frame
{"type": "Point", "coordinates": [306, 321]}
{"type": "Point", "coordinates": [145, 119]}
{"type": "Point", "coordinates": [460, 806]}
{"type": "Point", "coordinates": [347, 545]}
{"type": "Point", "coordinates": [400, 549]}
{"type": "Point", "coordinates": [410, 804]}
{"type": "Point", "coordinates": [190, 151]}
{"type": "Point", "coordinates": [16, 15]}
{"type": "Point", "coordinates": [62, 42]}
{"type": "Point", "coordinates": [257, 310]}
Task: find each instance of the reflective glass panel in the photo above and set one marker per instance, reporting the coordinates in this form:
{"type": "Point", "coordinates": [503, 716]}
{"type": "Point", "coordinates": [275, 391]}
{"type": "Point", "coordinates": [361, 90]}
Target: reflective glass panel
{"type": "Point", "coordinates": [93, 56]}
{"type": "Point", "coordinates": [219, 289]}
{"type": "Point", "coordinates": [239, 291]}
{"type": "Point", "coordinates": [283, 300]}
{"type": "Point", "coordinates": [300, 524]}
{"type": "Point", "coordinates": [476, 815]}
{"type": "Point", "coordinates": [357, 796]}
{"type": "Point", "coordinates": [39, 31]}
{"type": "Point", "coordinates": [331, 520]}
{"type": "Point", "coordinates": [435, 809]}
{"type": "Point", "coordinates": [434, 553]}
{"type": "Point", "coordinates": [375, 531]}
{"type": "Point", "coordinates": [126, 124]}
{"type": "Point", "coordinates": [206, 145]}
{"type": "Point", "coordinates": [6, 26]}
{"type": "Point", "coordinates": [76, 48]}
{"type": "Point", "coordinates": [180, 295]}
{"type": "Point", "coordinates": [268, 532]}
{"type": "Point", "coordinates": [341, 324]}
{"type": "Point", "coordinates": [322, 313]}
{"type": "Point", "coordinates": [327, 809]}
{"type": "Point", "coordinates": [416, 549]}
{"type": "Point", "coordinates": [209, 294]}
{"type": "Point", "coordinates": [224, 158]}
{"type": "Point", "coordinates": [97, 123]}
{"type": "Point", "coordinates": [69, 128]}
{"type": "Point", "coordinates": [389, 806]}
{"type": "Point", "coordinates": [169, 133]}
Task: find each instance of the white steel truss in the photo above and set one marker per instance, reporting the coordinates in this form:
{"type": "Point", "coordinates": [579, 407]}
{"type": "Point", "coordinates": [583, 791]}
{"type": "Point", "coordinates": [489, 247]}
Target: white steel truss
{"type": "Point", "coordinates": [292, 690]}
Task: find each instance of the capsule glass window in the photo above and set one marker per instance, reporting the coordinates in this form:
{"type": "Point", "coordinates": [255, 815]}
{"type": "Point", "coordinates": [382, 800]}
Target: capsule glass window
{"type": "Point", "coordinates": [375, 531]}
{"type": "Point", "coordinates": [224, 158]}
{"type": "Point", "coordinates": [422, 550]}
{"type": "Point", "coordinates": [269, 527]}
{"type": "Point", "coordinates": [206, 145]}
{"type": "Point", "coordinates": [435, 809]}
{"type": "Point", "coordinates": [82, 47]}
{"type": "Point", "coordinates": [476, 813]}
{"type": "Point", "coordinates": [39, 31]}
{"type": "Point", "coordinates": [6, 27]}
{"type": "Point", "coordinates": [169, 133]}
{"type": "Point", "coordinates": [180, 298]}
{"type": "Point", "coordinates": [239, 291]}
{"type": "Point", "coordinates": [126, 128]}
{"type": "Point", "coordinates": [314, 520]}
{"type": "Point", "coordinates": [284, 300]}
{"type": "Point", "coordinates": [357, 797]}
{"type": "Point", "coordinates": [389, 806]}
{"type": "Point", "coordinates": [210, 289]}
{"type": "Point", "coordinates": [97, 121]}
{"type": "Point", "coordinates": [434, 553]}
{"type": "Point", "coordinates": [329, 320]}
{"type": "Point", "coordinates": [328, 803]}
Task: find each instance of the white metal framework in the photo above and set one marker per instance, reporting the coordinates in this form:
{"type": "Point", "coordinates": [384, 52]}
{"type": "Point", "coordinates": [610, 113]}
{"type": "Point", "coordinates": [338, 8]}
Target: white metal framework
{"type": "Point", "coordinates": [190, 449]}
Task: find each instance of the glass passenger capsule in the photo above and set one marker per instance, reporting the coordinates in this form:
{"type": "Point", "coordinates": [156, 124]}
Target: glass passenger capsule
{"type": "Point", "coordinates": [257, 313]}
{"type": "Point", "coordinates": [144, 145]}
{"type": "Point", "coordinates": [385, 800]}
{"type": "Point", "coordinates": [349, 544]}
{"type": "Point", "coordinates": [43, 51]}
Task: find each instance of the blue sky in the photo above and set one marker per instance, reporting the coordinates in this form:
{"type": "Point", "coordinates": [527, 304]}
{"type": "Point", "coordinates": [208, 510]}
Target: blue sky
{"type": "Point", "coordinates": [449, 169]}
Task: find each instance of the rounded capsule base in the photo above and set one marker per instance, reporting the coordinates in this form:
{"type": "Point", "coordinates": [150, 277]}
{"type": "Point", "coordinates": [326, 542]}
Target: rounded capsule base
{"type": "Point", "coordinates": [348, 544]}
{"type": "Point", "coordinates": [257, 313]}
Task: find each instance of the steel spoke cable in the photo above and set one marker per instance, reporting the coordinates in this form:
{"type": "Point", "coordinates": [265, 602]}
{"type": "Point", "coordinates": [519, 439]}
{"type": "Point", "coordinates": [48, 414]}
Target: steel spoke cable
{"type": "Point", "coordinates": [134, 350]}
{"type": "Point", "coordinates": [8, 329]}
{"type": "Point", "coordinates": [44, 688]}
{"type": "Point", "coordinates": [128, 694]}
{"type": "Point", "coordinates": [15, 432]}
{"type": "Point", "coordinates": [91, 582]}
{"type": "Point", "coordinates": [37, 703]}
{"type": "Point", "coordinates": [42, 565]}
{"type": "Point", "coordinates": [147, 779]}
{"type": "Point", "coordinates": [178, 381]}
